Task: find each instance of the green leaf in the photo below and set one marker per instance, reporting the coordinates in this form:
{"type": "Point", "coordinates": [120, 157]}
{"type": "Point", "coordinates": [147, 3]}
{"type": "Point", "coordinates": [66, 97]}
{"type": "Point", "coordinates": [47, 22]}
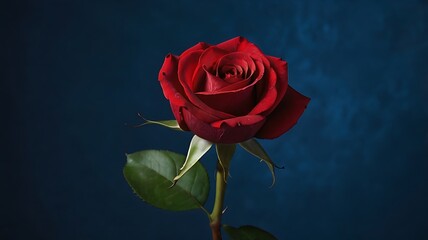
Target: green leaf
{"type": "Point", "coordinates": [254, 147]}
{"type": "Point", "coordinates": [225, 153]}
{"type": "Point", "coordinates": [173, 124]}
{"type": "Point", "coordinates": [248, 233]}
{"type": "Point", "coordinates": [198, 147]}
{"type": "Point", "coordinates": [150, 174]}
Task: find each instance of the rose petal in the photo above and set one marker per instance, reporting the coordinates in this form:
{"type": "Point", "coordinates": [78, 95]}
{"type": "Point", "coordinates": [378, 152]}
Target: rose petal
{"type": "Point", "coordinates": [242, 98]}
{"type": "Point", "coordinates": [190, 60]}
{"type": "Point", "coordinates": [180, 95]}
{"type": "Point", "coordinates": [254, 52]}
{"type": "Point", "coordinates": [199, 46]}
{"type": "Point", "coordinates": [238, 60]}
{"type": "Point", "coordinates": [187, 66]}
{"type": "Point", "coordinates": [224, 133]}
{"type": "Point", "coordinates": [237, 103]}
{"type": "Point", "coordinates": [249, 47]}
{"type": "Point", "coordinates": [168, 78]}
{"type": "Point", "coordinates": [239, 121]}
{"type": "Point", "coordinates": [212, 83]}
{"type": "Point", "coordinates": [280, 74]}
{"type": "Point", "coordinates": [281, 69]}
{"type": "Point", "coordinates": [234, 71]}
{"type": "Point", "coordinates": [174, 92]}
{"type": "Point", "coordinates": [268, 94]}
{"type": "Point", "coordinates": [231, 45]}
{"type": "Point", "coordinates": [239, 93]}
{"type": "Point", "coordinates": [176, 110]}
{"type": "Point", "coordinates": [261, 68]}
{"type": "Point", "coordinates": [206, 62]}
{"type": "Point", "coordinates": [235, 86]}
{"type": "Point", "coordinates": [285, 115]}
{"type": "Point", "coordinates": [210, 57]}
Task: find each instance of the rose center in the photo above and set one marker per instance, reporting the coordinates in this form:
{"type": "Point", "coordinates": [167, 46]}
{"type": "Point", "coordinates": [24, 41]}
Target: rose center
{"type": "Point", "coordinates": [230, 73]}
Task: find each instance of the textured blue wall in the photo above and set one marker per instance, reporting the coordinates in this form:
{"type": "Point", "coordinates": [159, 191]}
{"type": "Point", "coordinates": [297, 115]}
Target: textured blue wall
{"type": "Point", "coordinates": [355, 165]}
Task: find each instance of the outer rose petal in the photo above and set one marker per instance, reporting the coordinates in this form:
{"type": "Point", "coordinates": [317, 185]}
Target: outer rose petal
{"type": "Point", "coordinates": [281, 69]}
{"type": "Point", "coordinates": [178, 114]}
{"type": "Point", "coordinates": [242, 129]}
{"type": "Point", "coordinates": [269, 96]}
{"type": "Point", "coordinates": [199, 46]}
{"type": "Point", "coordinates": [168, 79]}
{"type": "Point", "coordinates": [285, 115]}
{"type": "Point", "coordinates": [231, 45]}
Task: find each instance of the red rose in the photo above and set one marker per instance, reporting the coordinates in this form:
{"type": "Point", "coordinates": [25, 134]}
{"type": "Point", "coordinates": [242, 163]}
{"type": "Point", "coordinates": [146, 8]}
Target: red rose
{"type": "Point", "coordinates": [230, 92]}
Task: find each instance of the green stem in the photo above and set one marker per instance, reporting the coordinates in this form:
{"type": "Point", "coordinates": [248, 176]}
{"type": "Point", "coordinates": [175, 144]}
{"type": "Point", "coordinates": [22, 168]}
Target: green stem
{"type": "Point", "coordinates": [215, 216]}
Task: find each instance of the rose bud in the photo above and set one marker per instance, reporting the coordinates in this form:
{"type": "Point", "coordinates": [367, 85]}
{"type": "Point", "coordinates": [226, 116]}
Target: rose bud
{"type": "Point", "coordinates": [230, 92]}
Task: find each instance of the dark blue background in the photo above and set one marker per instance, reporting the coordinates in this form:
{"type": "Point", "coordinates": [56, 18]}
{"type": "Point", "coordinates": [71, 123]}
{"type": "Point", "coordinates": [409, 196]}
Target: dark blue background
{"type": "Point", "coordinates": [77, 71]}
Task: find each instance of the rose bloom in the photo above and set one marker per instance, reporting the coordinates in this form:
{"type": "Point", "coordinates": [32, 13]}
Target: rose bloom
{"type": "Point", "coordinates": [230, 92]}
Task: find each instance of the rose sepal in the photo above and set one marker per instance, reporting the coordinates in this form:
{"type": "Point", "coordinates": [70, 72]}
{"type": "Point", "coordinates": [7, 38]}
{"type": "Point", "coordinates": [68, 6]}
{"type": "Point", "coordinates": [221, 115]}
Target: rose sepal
{"type": "Point", "coordinates": [172, 124]}
{"type": "Point", "coordinates": [253, 146]}
{"type": "Point", "coordinates": [224, 154]}
{"type": "Point", "coordinates": [198, 147]}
